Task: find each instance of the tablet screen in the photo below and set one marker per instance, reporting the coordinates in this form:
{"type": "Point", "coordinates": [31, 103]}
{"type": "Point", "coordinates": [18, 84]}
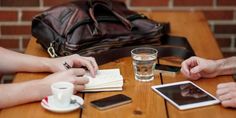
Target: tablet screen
{"type": "Point", "coordinates": [185, 93]}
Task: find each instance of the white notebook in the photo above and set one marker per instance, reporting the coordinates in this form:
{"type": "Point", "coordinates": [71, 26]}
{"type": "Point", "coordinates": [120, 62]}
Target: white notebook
{"type": "Point", "coordinates": [105, 80]}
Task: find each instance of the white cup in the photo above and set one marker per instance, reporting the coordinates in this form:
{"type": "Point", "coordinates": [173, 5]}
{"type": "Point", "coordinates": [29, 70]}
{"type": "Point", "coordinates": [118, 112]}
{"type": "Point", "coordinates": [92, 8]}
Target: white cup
{"type": "Point", "coordinates": [61, 94]}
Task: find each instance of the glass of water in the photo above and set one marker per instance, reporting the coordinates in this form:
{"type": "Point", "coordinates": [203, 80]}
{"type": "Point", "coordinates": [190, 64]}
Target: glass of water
{"type": "Point", "coordinates": [144, 60]}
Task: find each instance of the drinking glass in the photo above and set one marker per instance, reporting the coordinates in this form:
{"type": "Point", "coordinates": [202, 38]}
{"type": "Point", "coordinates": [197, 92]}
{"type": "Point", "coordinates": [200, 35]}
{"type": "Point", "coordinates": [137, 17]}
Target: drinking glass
{"type": "Point", "coordinates": [144, 61]}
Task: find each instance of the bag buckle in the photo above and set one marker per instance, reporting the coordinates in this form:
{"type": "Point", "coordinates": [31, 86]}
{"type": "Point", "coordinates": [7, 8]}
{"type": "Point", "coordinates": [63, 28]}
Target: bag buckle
{"type": "Point", "coordinates": [51, 51]}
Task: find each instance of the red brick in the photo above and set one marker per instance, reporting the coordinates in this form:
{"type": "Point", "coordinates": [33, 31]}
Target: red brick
{"type": "Point", "coordinates": [225, 29]}
{"type": "Point", "coordinates": [151, 3]}
{"type": "Point", "coordinates": [226, 2]}
{"type": "Point", "coordinates": [13, 3]}
{"type": "Point", "coordinates": [16, 30]}
{"type": "Point", "coordinates": [223, 42]}
{"type": "Point", "coordinates": [25, 42]}
{"type": "Point", "coordinates": [55, 2]}
{"type": "Point", "coordinates": [229, 54]}
{"type": "Point", "coordinates": [28, 15]}
{"type": "Point", "coordinates": [219, 15]}
{"type": "Point", "coordinates": [8, 16]}
{"type": "Point", "coordinates": [193, 2]}
{"type": "Point", "coordinates": [9, 43]}
{"type": "Point", "coordinates": [121, 0]}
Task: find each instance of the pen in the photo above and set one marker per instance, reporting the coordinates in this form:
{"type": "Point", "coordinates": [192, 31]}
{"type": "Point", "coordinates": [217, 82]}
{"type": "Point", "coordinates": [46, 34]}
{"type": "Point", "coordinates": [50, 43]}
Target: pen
{"type": "Point", "coordinates": [67, 66]}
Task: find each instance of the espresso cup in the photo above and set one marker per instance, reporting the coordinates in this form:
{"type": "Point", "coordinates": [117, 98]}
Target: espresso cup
{"type": "Point", "coordinates": [61, 94]}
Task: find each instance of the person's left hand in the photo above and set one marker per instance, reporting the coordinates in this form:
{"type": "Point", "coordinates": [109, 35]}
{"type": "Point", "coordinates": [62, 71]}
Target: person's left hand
{"type": "Point", "coordinates": [75, 61]}
{"type": "Point", "coordinates": [226, 92]}
{"type": "Point", "coordinates": [195, 67]}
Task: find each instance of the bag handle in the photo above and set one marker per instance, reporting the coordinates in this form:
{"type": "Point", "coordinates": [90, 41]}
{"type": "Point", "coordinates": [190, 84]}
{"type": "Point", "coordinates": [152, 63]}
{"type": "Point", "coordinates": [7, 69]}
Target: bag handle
{"type": "Point", "coordinates": [108, 6]}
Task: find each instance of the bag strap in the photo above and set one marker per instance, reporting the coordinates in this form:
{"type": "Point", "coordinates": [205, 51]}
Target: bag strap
{"type": "Point", "coordinates": [173, 46]}
{"type": "Point", "coordinates": [106, 5]}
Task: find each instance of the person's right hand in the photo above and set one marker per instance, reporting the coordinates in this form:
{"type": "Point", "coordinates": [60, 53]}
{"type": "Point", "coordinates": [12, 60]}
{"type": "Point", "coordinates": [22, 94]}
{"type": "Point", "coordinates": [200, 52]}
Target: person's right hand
{"type": "Point", "coordinates": [226, 92]}
{"type": "Point", "coordinates": [75, 61]}
{"type": "Point", "coordinates": [74, 75]}
{"type": "Point", "coordinates": [196, 67]}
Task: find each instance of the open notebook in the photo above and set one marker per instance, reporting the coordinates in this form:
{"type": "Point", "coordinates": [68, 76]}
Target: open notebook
{"type": "Point", "coordinates": [105, 80]}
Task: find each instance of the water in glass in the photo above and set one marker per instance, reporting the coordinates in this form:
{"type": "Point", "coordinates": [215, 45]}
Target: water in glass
{"type": "Point", "coordinates": [143, 66]}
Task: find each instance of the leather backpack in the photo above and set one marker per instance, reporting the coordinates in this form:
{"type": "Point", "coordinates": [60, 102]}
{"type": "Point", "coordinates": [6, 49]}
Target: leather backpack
{"type": "Point", "coordinates": [106, 30]}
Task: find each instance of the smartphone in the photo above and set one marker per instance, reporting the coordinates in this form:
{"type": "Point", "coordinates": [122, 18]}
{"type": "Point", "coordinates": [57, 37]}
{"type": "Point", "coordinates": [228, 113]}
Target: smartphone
{"type": "Point", "coordinates": [112, 101]}
{"type": "Point", "coordinates": [168, 68]}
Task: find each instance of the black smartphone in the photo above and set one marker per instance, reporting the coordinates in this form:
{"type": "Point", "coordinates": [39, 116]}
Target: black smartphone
{"type": "Point", "coordinates": [168, 68]}
{"type": "Point", "coordinates": [112, 101]}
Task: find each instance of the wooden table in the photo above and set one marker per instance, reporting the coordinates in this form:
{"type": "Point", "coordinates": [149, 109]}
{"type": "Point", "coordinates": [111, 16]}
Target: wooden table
{"type": "Point", "coordinates": [146, 103]}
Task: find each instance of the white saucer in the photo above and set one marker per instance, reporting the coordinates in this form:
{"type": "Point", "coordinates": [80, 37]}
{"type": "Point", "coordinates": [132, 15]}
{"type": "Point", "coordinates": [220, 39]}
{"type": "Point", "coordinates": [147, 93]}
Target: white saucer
{"type": "Point", "coordinates": [52, 108]}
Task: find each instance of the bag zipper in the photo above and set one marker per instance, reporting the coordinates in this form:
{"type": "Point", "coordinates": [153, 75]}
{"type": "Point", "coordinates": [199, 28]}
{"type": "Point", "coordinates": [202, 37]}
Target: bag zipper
{"type": "Point", "coordinates": [105, 19]}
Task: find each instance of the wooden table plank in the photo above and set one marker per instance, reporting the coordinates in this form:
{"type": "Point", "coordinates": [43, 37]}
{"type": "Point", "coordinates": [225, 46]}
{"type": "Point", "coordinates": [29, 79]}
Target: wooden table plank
{"type": "Point", "coordinates": [194, 26]}
{"type": "Point", "coordinates": [145, 103]}
{"type": "Point", "coordinates": [215, 111]}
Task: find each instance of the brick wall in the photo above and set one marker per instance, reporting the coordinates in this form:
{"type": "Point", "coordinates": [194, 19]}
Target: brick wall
{"type": "Point", "coordinates": [16, 15]}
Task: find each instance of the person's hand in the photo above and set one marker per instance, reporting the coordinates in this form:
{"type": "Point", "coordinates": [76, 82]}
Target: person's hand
{"type": "Point", "coordinates": [74, 76]}
{"type": "Point", "coordinates": [226, 92]}
{"type": "Point", "coordinates": [75, 61]}
{"type": "Point", "coordinates": [196, 67]}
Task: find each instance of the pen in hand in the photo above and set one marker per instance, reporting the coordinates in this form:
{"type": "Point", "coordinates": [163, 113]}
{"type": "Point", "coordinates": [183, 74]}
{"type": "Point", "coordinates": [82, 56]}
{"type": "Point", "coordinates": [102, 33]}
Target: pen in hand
{"type": "Point", "coordinates": [67, 66]}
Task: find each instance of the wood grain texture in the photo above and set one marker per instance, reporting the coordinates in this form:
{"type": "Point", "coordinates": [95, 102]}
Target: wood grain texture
{"type": "Point", "coordinates": [194, 26]}
{"type": "Point", "coordinates": [146, 103]}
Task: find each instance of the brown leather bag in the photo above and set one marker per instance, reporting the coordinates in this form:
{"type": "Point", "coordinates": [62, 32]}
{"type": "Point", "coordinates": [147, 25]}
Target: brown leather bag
{"type": "Point", "coordinates": [103, 29]}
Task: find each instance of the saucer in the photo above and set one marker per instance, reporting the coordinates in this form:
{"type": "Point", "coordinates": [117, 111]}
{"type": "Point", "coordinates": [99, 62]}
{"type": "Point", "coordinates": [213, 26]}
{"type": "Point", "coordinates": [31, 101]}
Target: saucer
{"type": "Point", "coordinates": [45, 104]}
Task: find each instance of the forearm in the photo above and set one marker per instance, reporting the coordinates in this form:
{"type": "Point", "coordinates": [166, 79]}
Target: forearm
{"type": "Point", "coordinates": [226, 66]}
{"type": "Point", "coordinates": [15, 62]}
{"type": "Point", "coordinates": [20, 93]}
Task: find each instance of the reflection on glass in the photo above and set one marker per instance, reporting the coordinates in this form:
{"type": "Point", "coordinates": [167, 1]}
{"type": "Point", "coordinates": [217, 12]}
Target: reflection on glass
{"type": "Point", "coordinates": [191, 91]}
{"type": "Point", "coordinates": [185, 94]}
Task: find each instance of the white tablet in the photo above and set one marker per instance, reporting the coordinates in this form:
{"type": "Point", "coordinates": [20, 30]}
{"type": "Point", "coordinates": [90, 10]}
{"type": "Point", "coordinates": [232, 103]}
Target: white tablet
{"type": "Point", "coordinates": [185, 95]}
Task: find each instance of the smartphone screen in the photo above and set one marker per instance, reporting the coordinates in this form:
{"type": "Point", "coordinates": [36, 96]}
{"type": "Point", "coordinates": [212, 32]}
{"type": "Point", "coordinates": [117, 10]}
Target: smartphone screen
{"type": "Point", "coordinates": [111, 101]}
{"type": "Point", "coordinates": [167, 68]}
